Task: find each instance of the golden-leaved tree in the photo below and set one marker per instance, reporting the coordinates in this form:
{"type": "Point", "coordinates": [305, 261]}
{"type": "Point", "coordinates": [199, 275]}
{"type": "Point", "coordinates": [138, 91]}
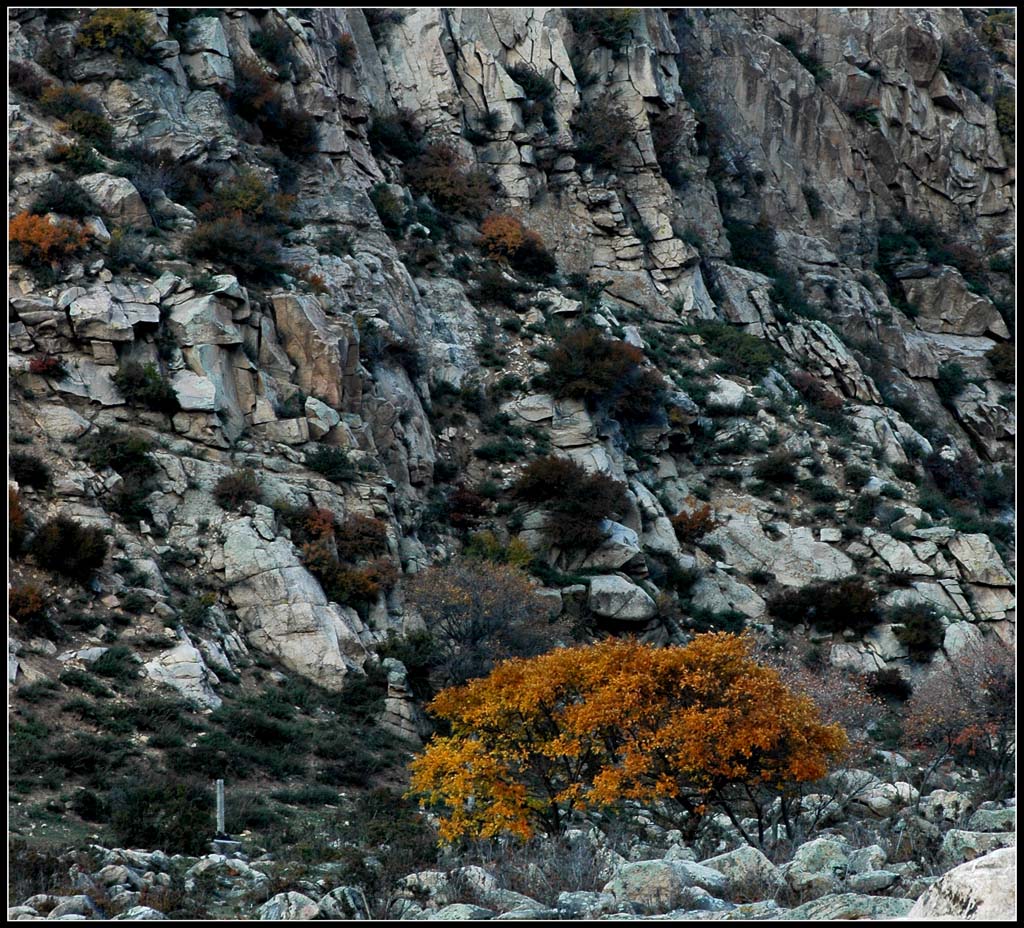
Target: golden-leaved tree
{"type": "Point", "coordinates": [589, 726]}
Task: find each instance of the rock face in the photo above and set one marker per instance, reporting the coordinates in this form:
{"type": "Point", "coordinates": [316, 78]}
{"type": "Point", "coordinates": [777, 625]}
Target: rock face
{"type": "Point", "coordinates": [786, 235]}
{"type": "Point", "coordinates": [284, 610]}
{"type": "Point", "coordinates": [984, 889]}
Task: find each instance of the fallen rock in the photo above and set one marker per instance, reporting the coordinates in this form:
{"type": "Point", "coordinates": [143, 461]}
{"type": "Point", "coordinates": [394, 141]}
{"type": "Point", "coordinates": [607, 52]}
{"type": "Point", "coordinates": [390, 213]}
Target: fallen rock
{"type": "Point", "coordinates": [984, 889]}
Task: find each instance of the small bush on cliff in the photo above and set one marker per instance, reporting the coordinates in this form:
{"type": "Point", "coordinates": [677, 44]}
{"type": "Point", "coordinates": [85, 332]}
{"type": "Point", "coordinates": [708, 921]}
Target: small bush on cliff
{"type": "Point", "coordinates": [66, 547]}
{"type": "Point", "coordinates": [396, 134]}
{"type": "Point", "coordinates": [1003, 360]}
{"type": "Point", "coordinates": [604, 133]}
{"type": "Point", "coordinates": [123, 32]}
{"type": "Point", "coordinates": [238, 487]}
{"type": "Point", "coordinates": [577, 501]}
{"type": "Point", "coordinates": [30, 471]}
{"type": "Point", "coordinates": [80, 113]}
{"type": "Point", "coordinates": [611, 28]}
{"type": "Point", "coordinates": [919, 628]}
{"type": "Point", "coordinates": [609, 373]}
{"type": "Point", "coordinates": [38, 243]}
{"type": "Point", "coordinates": [442, 174]}
{"type": "Point", "coordinates": [738, 352]}
{"type": "Point", "coordinates": [242, 244]}
{"type": "Point", "coordinates": [66, 198]}
{"type": "Point", "coordinates": [143, 385]}
{"type": "Point", "coordinates": [332, 463]}
{"type": "Point", "coordinates": [257, 99]}
{"type": "Point", "coordinates": [830, 606]}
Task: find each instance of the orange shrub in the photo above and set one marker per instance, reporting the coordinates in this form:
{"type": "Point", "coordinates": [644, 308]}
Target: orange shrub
{"type": "Point", "coordinates": [690, 525]}
{"type": "Point", "coordinates": [37, 242]}
{"type": "Point", "coordinates": [701, 726]}
{"type": "Point", "coordinates": [503, 235]}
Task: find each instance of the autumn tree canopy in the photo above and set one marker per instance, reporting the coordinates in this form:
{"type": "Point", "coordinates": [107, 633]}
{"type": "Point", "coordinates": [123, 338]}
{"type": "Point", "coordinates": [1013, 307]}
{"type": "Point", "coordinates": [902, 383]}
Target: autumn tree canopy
{"type": "Point", "coordinates": [588, 726]}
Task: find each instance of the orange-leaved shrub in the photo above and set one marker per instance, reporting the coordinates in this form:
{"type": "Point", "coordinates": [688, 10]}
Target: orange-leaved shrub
{"type": "Point", "coordinates": [37, 242]}
{"type": "Point", "coordinates": [591, 726]}
{"type": "Point", "coordinates": [505, 238]}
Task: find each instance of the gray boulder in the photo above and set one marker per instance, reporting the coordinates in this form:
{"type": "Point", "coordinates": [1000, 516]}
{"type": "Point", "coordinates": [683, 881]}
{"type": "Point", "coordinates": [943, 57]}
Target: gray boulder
{"type": "Point", "coordinates": [984, 889]}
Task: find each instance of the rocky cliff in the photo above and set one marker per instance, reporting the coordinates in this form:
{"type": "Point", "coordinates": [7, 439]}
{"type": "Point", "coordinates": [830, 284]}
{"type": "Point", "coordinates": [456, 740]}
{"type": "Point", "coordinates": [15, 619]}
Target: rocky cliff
{"type": "Point", "coordinates": [338, 261]}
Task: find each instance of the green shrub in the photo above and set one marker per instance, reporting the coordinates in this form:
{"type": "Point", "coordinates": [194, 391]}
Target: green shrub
{"type": "Point", "coordinates": [126, 33]}
{"type": "Point", "coordinates": [396, 134]}
{"type": "Point", "coordinates": [950, 382]}
{"type": "Point", "coordinates": [577, 501]}
{"type": "Point", "coordinates": [753, 246]}
{"type": "Point", "coordinates": [257, 99]}
{"type": "Point", "coordinates": [390, 209]}
{"type": "Point", "coordinates": [86, 682]}
{"type": "Point", "coordinates": [1006, 113]}
{"type": "Point", "coordinates": [244, 245]}
{"type": "Point", "coordinates": [30, 471]}
{"type": "Point", "coordinates": [778, 468]}
{"type": "Point", "coordinates": [274, 43]}
{"type": "Point", "coordinates": [235, 489]}
{"type": "Point", "coordinates": [65, 198]}
{"type": "Point", "coordinates": [66, 547]}
{"type": "Point", "coordinates": [76, 157]}
{"type": "Point", "coordinates": [889, 684]}
{"type": "Point", "coordinates": [80, 112]}
{"type": "Point", "coordinates": [831, 606]}
{"type": "Point", "coordinates": [25, 78]}
{"type": "Point", "coordinates": [739, 353]}
{"type": "Point", "coordinates": [604, 133]}
{"type": "Point", "coordinates": [808, 60]}
{"type": "Point", "coordinates": [117, 663]}
{"type": "Point", "coordinates": [919, 629]}
{"type": "Point", "coordinates": [143, 385]}
{"type": "Point", "coordinates": [332, 463]}
{"type": "Point", "coordinates": [609, 27]}
{"type": "Point", "coordinates": [1003, 360]}
{"type": "Point", "coordinates": [168, 813]}
{"type": "Point", "coordinates": [125, 452]}
{"type": "Point", "coordinates": [957, 478]}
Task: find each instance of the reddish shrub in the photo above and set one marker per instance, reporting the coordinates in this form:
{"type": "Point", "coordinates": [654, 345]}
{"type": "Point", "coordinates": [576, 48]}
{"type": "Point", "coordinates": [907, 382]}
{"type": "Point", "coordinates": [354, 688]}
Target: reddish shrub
{"type": "Point", "coordinates": [443, 175]}
{"type": "Point", "coordinates": [37, 242]}
{"type": "Point", "coordinates": [577, 501]}
{"type": "Point", "coordinates": [64, 546]}
{"type": "Point", "coordinates": [815, 391]}
{"type": "Point", "coordinates": [690, 525]}
{"type": "Point", "coordinates": [361, 536]}
{"type": "Point", "coordinates": [465, 507]}
{"type": "Point", "coordinates": [50, 366]}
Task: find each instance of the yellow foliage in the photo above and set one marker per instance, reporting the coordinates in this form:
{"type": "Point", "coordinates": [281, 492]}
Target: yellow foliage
{"type": "Point", "coordinates": [124, 32]}
{"type": "Point", "coordinates": [592, 725]}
